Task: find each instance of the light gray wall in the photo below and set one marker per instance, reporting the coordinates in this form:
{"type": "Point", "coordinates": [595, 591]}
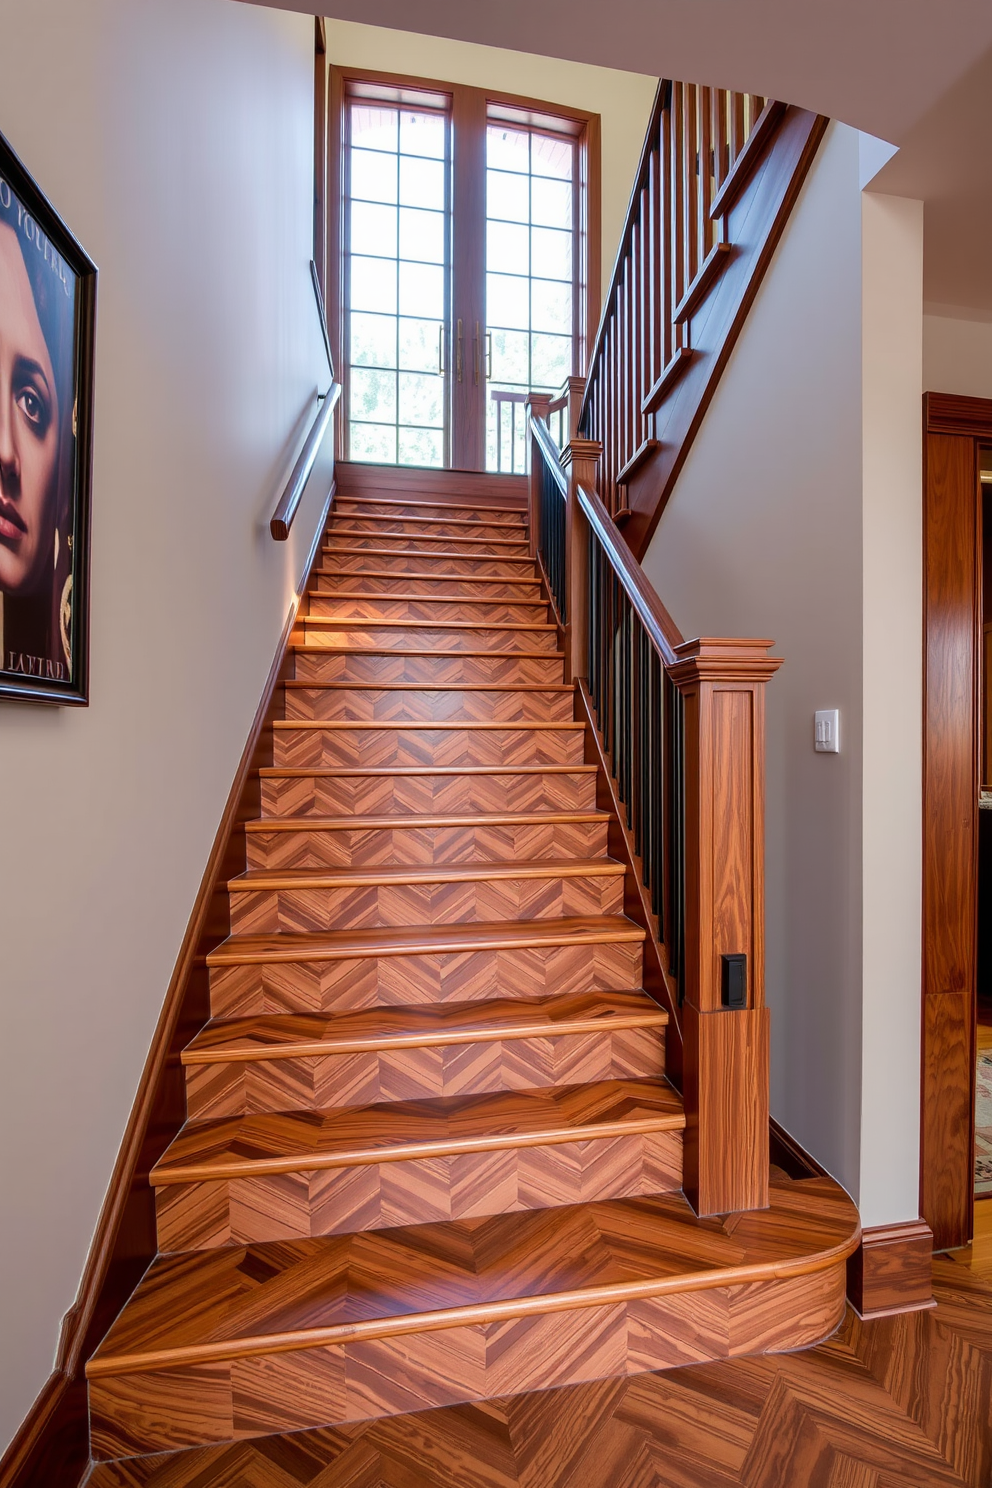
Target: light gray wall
{"type": "Point", "coordinates": [175, 137]}
{"type": "Point", "coordinates": [763, 538]}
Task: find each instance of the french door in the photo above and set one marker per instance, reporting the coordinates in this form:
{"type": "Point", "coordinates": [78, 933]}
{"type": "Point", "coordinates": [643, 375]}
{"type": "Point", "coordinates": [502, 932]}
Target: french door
{"type": "Point", "coordinates": [467, 266]}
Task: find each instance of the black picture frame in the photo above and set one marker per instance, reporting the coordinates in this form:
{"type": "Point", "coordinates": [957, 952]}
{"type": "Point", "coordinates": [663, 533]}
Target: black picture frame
{"type": "Point", "coordinates": [47, 354]}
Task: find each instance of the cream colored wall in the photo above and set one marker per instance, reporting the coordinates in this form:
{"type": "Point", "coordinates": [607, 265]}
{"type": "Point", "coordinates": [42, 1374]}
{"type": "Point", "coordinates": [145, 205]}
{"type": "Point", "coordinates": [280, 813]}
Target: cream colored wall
{"type": "Point", "coordinates": [623, 99]}
{"type": "Point", "coordinates": [797, 516]}
{"type": "Point", "coordinates": [175, 137]}
{"type": "Point", "coordinates": [892, 606]}
{"type": "Point", "coordinates": [957, 354]}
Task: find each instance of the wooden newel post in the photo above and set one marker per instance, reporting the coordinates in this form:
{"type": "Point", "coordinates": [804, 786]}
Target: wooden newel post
{"type": "Point", "coordinates": [579, 460]}
{"type": "Point", "coordinates": [537, 406]}
{"type": "Point", "coordinates": [725, 1021]}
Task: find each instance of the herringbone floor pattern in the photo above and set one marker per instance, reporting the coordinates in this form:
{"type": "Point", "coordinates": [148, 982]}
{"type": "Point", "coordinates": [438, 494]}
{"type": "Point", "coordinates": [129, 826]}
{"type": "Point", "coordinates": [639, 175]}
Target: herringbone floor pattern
{"type": "Point", "coordinates": [899, 1403]}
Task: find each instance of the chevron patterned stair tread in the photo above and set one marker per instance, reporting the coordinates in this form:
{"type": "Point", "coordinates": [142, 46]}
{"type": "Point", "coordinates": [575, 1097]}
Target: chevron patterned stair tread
{"type": "Point", "coordinates": [287, 1035]}
{"type": "Point", "coordinates": [354, 622]}
{"type": "Point", "coordinates": [510, 513]}
{"type": "Point", "coordinates": [390, 873]}
{"type": "Point", "coordinates": [473, 520]}
{"type": "Point", "coordinates": [511, 687]}
{"type": "Point", "coordinates": [509, 726]}
{"type": "Point", "coordinates": [431, 940]}
{"type": "Point", "coordinates": [432, 598]}
{"type": "Point", "coordinates": [265, 1290]}
{"type": "Point", "coordinates": [410, 552]}
{"type": "Point", "coordinates": [315, 648]}
{"type": "Point", "coordinates": [396, 823]}
{"type": "Point", "coordinates": [493, 772]}
{"type": "Point", "coordinates": [479, 543]}
{"type": "Point", "coordinates": [484, 582]}
{"type": "Point", "coordinates": [395, 1131]}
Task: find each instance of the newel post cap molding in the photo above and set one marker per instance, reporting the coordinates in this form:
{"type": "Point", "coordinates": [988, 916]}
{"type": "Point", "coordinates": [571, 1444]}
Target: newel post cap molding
{"type": "Point", "coordinates": [539, 404]}
{"type": "Point", "coordinates": [723, 659]}
{"type": "Point", "coordinates": [579, 450]}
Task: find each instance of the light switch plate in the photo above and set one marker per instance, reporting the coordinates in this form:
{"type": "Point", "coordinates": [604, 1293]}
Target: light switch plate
{"type": "Point", "coordinates": [826, 731]}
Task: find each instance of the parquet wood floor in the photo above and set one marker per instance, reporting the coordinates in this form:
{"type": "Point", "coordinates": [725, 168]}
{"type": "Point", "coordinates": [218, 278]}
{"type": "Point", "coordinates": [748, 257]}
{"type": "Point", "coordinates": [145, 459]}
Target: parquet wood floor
{"type": "Point", "coordinates": [901, 1402]}
{"type": "Point", "coordinates": [431, 1156]}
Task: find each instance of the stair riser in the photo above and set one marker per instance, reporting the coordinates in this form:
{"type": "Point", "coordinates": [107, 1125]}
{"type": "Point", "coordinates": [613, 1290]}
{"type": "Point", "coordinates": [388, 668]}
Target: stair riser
{"type": "Point", "coordinates": [366, 847]}
{"type": "Point", "coordinates": [422, 980]}
{"type": "Point", "coordinates": [387, 584]}
{"type": "Point", "coordinates": [425, 795]}
{"type": "Point", "coordinates": [355, 560]}
{"type": "Point", "coordinates": [318, 1083]}
{"type": "Point", "coordinates": [376, 1196]}
{"type": "Point", "coordinates": [417, 639]}
{"type": "Point", "coordinates": [383, 748]}
{"type": "Point", "coordinates": [382, 906]}
{"type": "Point", "coordinates": [348, 524]}
{"type": "Point", "coordinates": [428, 611]}
{"type": "Point", "coordinates": [347, 506]}
{"type": "Point", "coordinates": [204, 1404]}
{"type": "Point", "coordinates": [423, 544]}
{"type": "Point", "coordinates": [365, 705]}
{"type": "Point", "coordinates": [431, 671]}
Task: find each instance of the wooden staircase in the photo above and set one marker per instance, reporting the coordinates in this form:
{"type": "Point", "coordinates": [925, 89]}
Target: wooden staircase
{"type": "Point", "coordinates": [431, 1154]}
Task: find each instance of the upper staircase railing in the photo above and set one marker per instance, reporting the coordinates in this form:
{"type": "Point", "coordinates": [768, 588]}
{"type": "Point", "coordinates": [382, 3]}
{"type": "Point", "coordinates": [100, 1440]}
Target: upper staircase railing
{"type": "Point", "coordinates": [678, 730]}
{"type": "Point", "coordinates": [717, 178]}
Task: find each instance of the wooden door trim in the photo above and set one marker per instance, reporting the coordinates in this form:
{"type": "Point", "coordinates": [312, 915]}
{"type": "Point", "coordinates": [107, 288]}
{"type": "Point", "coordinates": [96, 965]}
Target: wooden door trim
{"type": "Point", "coordinates": [954, 427]}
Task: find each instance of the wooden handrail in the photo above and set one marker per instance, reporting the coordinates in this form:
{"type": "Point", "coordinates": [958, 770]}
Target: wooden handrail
{"type": "Point", "coordinates": [661, 629]}
{"type": "Point", "coordinates": [322, 316]}
{"type": "Point", "coordinates": [282, 517]}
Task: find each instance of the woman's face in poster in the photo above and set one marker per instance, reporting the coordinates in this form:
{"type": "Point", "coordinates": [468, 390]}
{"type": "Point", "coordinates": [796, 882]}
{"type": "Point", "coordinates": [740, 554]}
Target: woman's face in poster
{"type": "Point", "coordinates": [29, 419]}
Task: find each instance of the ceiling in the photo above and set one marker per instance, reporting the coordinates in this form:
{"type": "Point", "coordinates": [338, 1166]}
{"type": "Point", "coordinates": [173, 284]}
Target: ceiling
{"type": "Point", "coordinates": [877, 64]}
{"type": "Point", "coordinates": [917, 73]}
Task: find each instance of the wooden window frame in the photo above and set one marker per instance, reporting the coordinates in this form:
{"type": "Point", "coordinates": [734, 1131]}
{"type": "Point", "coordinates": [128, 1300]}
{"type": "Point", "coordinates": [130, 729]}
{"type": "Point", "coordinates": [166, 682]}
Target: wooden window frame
{"type": "Point", "coordinates": [478, 105]}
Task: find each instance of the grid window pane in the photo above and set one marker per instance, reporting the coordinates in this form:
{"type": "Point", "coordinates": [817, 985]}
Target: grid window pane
{"type": "Point", "coordinates": [419, 345]}
{"type": "Point", "coordinates": [373, 176]}
{"type": "Point", "coordinates": [421, 447]}
{"type": "Point", "coordinates": [373, 229]}
{"type": "Point", "coordinates": [421, 402]}
{"type": "Point", "coordinates": [552, 156]}
{"type": "Point", "coordinates": [551, 359]}
{"type": "Point", "coordinates": [551, 203]}
{"type": "Point", "coordinates": [373, 395]}
{"type": "Point", "coordinates": [422, 134]}
{"type": "Point", "coordinates": [421, 183]}
{"type": "Point", "coordinates": [551, 306]}
{"type": "Point", "coordinates": [506, 301]}
{"type": "Point", "coordinates": [511, 357]}
{"type": "Point", "coordinates": [422, 235]}
{"type": "Point", "coordinates": [551, 253]}
{"type": "Point", "coordinates": [507, 148]}
{"type": "Point", "coordinates": [374, 126]}
{"type": "Point", "coordinates": [373, 340]}
{"type": "Point", "coordinates": [375, 442]}
{"type": "Point", "coordinates": [421, 290]}
{"type": "Point", "coordinates": [507, 248]}
{"type": "Point", "coordinates": [508, 197]}
{"type": "Point", "coordinates": [373, 284]}
{"type": "Point", "coordinates": [397, 236]}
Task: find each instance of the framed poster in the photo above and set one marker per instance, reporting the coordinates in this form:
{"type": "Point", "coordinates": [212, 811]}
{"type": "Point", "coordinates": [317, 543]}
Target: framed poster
{"type": "Point", "coordinates": [47, 317]}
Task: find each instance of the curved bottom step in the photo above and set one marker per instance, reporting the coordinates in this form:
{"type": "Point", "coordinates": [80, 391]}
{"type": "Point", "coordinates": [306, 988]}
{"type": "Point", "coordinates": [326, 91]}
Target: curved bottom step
{"type": "Point", "coordinates": [254, 1340]}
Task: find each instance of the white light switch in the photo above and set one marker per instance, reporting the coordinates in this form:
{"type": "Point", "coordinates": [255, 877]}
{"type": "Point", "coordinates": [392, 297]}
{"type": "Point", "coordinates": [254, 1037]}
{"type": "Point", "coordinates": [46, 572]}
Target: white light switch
{"type": "Point", "coordinates": [826, 735]}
